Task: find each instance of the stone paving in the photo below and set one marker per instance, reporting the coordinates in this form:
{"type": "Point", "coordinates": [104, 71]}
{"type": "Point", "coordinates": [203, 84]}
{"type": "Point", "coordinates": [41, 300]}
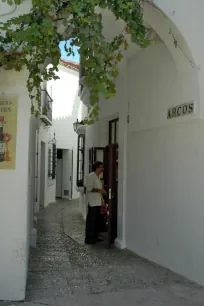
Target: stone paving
{"type": "Point", "coordinates": [63, 271]}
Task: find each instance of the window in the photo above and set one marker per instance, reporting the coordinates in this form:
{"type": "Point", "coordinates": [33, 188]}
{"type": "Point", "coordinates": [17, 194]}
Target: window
{"type": "Point", "coordinates": [46, 102]}
{"type": "Point", "coordinates": [95, 154]}
{"type": "Point", "coordinates": [49, 162]}
{"type": "Point", "coordinates": [52, 155]}
{"type": "Point", "coordinates": [80, 160]}
{"type": "Point", "coordinates": [113, 131]}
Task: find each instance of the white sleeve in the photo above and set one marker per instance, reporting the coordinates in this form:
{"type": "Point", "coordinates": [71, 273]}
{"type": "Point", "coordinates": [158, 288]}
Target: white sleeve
{"type": "Point", "coordinates": [89, 183]}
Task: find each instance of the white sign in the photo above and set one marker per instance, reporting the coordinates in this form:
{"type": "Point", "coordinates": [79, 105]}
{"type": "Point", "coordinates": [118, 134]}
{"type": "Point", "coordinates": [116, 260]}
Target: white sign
{"type": "Point", "coordinates": [181, 110]}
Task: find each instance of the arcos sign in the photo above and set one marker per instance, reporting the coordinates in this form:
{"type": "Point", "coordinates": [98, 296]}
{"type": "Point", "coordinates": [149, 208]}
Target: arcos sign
{"type": "Point", "coordinates": [181, 110]}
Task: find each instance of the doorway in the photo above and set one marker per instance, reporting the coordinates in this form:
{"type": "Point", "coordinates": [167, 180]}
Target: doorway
{"type": "Point", "coordinates": [109, 156]}
{"type": "Point", "coordinates": [42, 175]}
{"type": "Point", "coordinates": [112, 179]}
{"type": "Point", "coordinates": [64, 174]}
{"type": "Point", "coordinates": [59, 174]}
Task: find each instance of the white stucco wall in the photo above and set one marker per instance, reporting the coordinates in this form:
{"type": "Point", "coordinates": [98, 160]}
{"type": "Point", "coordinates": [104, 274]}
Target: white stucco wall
{"type": "Point", "coordinates": [160, 160]}
{"type": "Point", "coordinates": [164, 169]}
{"type": "Point", "coordinates": [46, 135]}
{"type": "Point", "coordinates": [156, 88]}
{"type": "Point", "coordinates": [67, 107]}
{"type": "Point", "coordinates": [179, 13]}
{"type": "Point", "coordinates": [165, 197]}
{"type": "Point", "coordinates": [15, 207]}
{"type": "Point", "coordinates": [10, 11]}
{"type": "Point", "coordinates": [18, 200]}
{"type": "Point", "coordinates": [17, 186]}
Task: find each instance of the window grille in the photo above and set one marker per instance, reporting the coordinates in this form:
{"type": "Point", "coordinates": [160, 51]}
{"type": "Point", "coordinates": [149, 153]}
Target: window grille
{"type": "Point", "coordinates": [80, 160]}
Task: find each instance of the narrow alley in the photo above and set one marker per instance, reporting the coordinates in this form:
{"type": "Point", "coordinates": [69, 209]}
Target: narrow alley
{"type": "Point", "coordinates": [64, 271]}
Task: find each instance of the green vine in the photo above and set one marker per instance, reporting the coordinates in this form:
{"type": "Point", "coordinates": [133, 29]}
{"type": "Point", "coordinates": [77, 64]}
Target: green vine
{"type": "Point", "coordinates": [31, 39]}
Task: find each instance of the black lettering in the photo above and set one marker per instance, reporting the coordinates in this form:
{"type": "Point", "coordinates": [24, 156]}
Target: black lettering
{"type": "Point", "coordinates": [5, 109]}
{"type": "Point", "coordinates": [169, 114]}
{"type": "Point", "coordinates": [4, 103]}
{"type": "Point", "coordinates": [185, 109]}
{"type": "Point", "coordinates": [190, 108]}
{"type": "Point", "coordinates": [174, 113]}
{"type": "Point", "coordinates": [179, 111]}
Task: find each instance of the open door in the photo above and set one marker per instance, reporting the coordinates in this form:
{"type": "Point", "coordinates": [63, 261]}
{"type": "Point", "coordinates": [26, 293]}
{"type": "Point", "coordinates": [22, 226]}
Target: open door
{"type": "Point", "coordinates": [67, 170]}
{"type": "Point", "coordinates": [109, 157]}
{"type": "Point", "coordinates": [112, 192]}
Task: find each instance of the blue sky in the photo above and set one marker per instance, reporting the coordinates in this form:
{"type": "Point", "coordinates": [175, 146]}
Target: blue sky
{"type": "Point", "coordinates": [64, 56]}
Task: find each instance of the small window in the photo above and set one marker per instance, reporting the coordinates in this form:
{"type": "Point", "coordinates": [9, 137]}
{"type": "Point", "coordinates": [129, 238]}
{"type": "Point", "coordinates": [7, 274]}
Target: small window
{"type": "Point", "coordinates": [80, 160]}
{"type": "Point", "coordinates": [113, 131]}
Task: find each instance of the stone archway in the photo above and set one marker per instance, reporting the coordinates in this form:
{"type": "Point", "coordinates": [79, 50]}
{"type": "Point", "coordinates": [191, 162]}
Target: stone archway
{"type": "Point", "coordinates": [179, 49]}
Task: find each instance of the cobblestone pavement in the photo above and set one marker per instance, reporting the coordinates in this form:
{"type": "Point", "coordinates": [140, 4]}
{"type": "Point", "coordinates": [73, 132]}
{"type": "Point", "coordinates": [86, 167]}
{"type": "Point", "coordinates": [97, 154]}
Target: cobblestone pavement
{"type": "Point", "coordinates": [63, 271]}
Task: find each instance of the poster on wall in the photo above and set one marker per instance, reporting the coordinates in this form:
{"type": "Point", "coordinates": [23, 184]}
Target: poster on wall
{"type": "Point", "coordinates": [8, 127]}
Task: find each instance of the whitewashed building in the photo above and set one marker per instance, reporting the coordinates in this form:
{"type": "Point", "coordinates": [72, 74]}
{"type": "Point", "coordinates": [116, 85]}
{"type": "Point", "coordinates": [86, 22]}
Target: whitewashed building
{"type": "Point", "coordinates": [30, 184]}
{"type": "Point", "coordinates": [67, 109]}
{"type": "Point", "coordinates": [40, 174]}
{"type": "Point", "coordinates": [160, 190]}
{"type": "Point", "coordinates": [27, 187]}
{"type": "Point", "coordinates": [158, 114]}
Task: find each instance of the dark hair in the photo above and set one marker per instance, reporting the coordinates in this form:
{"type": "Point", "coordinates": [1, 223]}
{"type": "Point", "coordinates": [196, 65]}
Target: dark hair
{"type": "Point", "coordinates": [97, 165]}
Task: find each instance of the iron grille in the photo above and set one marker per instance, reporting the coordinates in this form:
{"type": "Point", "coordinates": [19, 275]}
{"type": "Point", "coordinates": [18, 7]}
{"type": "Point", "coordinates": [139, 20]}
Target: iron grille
{"type": "Point", "coordinates": [46, 104]}
{"type": "Point", "coordinates": [52, 161]}
{"type": "Point", "coordinates": [80, 160]}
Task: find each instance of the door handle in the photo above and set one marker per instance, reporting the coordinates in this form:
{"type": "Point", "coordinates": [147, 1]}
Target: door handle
{"type": "Point", "coordinates": [109, 195]}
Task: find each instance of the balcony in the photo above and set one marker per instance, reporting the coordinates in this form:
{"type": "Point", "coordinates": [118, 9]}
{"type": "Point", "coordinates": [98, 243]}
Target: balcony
{"type": "Point", "coordinates": [46, 107]}
{"type": "Point", "coordinates": [83, 90]}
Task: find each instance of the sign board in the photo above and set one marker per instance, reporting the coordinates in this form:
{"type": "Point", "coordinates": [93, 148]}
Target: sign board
{"type": "Point", "coordinates": [8, 127]}
{"type": "Point", "coordinates": [181, 110]}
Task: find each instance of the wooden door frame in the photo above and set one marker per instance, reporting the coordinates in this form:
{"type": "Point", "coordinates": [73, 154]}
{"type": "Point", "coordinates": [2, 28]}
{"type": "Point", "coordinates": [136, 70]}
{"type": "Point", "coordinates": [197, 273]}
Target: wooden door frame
{"type": "Point", "coordinates": [109, 152]}
{"type": "Point", "coordinates": [114, 121]}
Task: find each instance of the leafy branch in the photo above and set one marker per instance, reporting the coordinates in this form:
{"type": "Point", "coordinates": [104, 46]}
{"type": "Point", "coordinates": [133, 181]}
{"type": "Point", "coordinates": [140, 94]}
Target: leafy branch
{"type": "Point", "coordinates": [29, 40]}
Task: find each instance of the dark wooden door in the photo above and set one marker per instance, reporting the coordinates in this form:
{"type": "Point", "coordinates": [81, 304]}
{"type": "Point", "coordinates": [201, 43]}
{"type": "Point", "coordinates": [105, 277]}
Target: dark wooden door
{"type": "Point", "coordinates": [109, 156]}
{"type": "Point", "coordinates": [112, 192]}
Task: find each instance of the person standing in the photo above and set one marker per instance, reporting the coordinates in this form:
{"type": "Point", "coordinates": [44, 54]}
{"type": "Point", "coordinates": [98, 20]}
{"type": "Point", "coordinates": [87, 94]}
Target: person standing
{"type": "Point", "coordinates": [95, 193]}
